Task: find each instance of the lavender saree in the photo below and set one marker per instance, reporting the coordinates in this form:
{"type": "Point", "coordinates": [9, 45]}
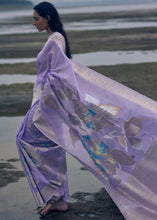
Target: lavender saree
{"type": "Point", "coordinates": [110, 129]}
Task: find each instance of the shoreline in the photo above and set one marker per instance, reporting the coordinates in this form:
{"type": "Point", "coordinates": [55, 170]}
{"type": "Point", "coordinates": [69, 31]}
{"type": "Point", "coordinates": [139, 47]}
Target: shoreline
{"type": "Point", "coordinates": [67, 9]}
{"type": "Point", "coordinates": [16, 99]}
{"type": "Point", "coordinates": [19, 96]}
{"type": "Point", "coordinates": [17, 45]}
{"type": "Point", "coordinates": [28, 45]}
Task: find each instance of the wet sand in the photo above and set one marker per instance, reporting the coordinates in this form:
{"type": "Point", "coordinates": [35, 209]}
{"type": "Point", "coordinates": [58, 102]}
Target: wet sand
{"type": "Point", "coordinates": [28, 45]}
{"type": "Point", "coordinates": [16, 200]}
{"type": "Point", "coordinates": [140, 77]}
{"type": "Point", "coordinates": [16, 98]}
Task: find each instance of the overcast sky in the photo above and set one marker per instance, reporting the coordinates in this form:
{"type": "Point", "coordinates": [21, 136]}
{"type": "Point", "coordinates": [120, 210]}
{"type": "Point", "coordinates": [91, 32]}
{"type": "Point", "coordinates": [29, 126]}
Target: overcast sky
{"type": "Point", "coordinates": [68, 3]}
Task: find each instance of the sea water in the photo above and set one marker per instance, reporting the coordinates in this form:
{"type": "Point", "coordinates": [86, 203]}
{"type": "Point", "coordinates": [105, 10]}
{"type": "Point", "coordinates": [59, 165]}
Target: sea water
{"type": "Point", "coordinates": [81, 3]}
{"type": "Point", "coordinates": [16, 201]}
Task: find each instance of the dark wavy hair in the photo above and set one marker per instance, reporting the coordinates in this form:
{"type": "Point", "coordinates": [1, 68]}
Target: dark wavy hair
{"type": "Point", "coordinates": [47, 10]}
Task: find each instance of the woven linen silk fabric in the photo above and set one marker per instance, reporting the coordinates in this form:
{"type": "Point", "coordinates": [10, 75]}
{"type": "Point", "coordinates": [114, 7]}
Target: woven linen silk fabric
{"type": "Point", "coordinates": [109, 128]}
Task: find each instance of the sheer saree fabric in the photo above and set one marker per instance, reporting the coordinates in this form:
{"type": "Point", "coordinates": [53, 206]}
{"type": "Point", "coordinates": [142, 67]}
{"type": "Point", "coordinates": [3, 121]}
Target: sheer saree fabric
{"type": "Point", "coordinates": [110, 129]}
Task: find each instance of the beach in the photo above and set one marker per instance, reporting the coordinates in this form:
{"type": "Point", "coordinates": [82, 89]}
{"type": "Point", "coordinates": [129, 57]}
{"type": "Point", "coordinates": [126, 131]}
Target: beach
{"type": "Point", "coordinates": [124, 39]}
{"type": "Point", "coordinates": [126, 31]}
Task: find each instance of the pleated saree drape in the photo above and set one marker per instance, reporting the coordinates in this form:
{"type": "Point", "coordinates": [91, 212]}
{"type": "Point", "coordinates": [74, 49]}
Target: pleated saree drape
{"type": "Point", "coordinates": [109, 128]}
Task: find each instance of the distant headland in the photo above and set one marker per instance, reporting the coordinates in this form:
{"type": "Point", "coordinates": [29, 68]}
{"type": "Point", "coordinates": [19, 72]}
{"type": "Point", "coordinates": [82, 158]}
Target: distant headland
{"type": "Point", "coordinates": [7, 4]}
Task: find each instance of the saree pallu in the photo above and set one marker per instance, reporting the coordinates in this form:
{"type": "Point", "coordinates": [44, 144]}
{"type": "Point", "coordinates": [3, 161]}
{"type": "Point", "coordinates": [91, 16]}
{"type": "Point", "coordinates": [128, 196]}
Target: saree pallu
{"type": "Point", "coordinates": [110, 129]}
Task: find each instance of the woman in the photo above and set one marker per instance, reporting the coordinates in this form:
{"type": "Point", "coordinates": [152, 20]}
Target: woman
{"type": "Point", "coordinates": [108, 127]}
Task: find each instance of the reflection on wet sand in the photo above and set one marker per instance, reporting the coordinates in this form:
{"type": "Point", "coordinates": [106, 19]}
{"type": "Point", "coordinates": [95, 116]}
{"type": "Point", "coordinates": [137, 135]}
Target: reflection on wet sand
{"type": "Point", "coordinates": [82, 26]}
{"type": "Point", "coordinates": [87, 201]}
{"type": "Point", "coordinates": [101, 58]}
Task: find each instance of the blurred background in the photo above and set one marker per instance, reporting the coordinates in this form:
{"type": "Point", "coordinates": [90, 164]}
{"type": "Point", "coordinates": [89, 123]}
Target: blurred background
{"type": "Point", "coordinates": [117, 38]}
